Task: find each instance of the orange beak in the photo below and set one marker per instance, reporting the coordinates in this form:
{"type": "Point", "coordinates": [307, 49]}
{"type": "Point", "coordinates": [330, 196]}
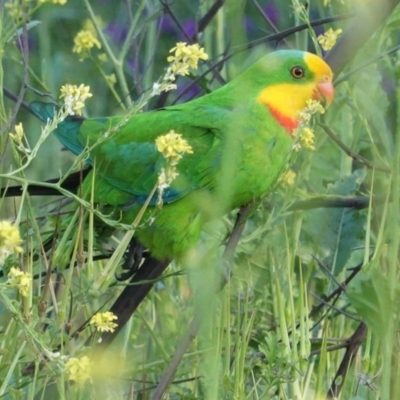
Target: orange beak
{"type": "Point", "coordinates": [326, 90]}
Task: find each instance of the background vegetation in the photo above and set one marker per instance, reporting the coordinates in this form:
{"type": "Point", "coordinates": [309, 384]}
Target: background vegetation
{"type": "Point", "coordinates": [311, 308]}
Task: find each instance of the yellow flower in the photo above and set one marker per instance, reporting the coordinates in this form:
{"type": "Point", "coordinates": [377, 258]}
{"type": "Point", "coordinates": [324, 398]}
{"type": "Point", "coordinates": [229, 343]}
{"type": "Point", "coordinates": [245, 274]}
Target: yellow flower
{"type": "Point", "coordinates": [75, 97]}
{"type": "Point", "coordinates": [329, 38]}
{"type": "Point", "coordinates": [312, 107]}
{"type": "Point", "coordinates": [88, 25]}
{"type": "Point", "coordinates": [288, 177]}
{"type": "Point", "coordinates": [79, 369]}
{"type": "Point", "coordinates": [14, 9]}
{"type": "Point", "coordinates": [10, 240]}
{"type": "Point", "coordinates": [185, 57]}
{"type": "Point", "coordinates": [111, 79]}
{"type": "Point", "coordinates": [104, 321]}
{"type": "Point", "coordinates": [102, 57]}
{"type": "Point", "coordinates": [84, 41]}
{"type": "Point", "coordinates": [20, 280]}
{"type": "Point", "coordinates": [18, 135]}
{"type": "Point", "coordinates": [307, 138]}
{"type": "Point", "coordinates": [303, 132]}
{"type": "Point", "coordinates": [18, 138]}
{"type": "Point", "coordinates": [173, 146]}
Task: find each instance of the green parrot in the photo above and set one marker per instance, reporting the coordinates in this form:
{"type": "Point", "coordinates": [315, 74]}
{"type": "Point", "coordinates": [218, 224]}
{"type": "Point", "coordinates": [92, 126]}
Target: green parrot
{"type": "Point", "coordinates": [241, 137]}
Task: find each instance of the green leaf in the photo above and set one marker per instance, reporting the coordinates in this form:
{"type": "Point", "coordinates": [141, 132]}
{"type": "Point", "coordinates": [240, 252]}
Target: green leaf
{"type": "Point", "coordinates": [369, 294]}
{"type": "Point", "coordinates": [29, 26]}
{"type": "Point", "coordinates": [333, 233]}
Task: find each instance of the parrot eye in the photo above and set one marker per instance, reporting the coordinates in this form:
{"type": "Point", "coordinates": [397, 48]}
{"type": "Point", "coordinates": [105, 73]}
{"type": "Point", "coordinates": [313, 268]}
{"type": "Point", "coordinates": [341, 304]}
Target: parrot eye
{"type": "Point", "coordinates": [297, 72]}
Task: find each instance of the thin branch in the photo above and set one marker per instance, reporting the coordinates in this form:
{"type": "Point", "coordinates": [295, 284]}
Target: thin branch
{"type": "Point", "coordinates": [351, 153]}
{"type": "Point", "coordinates": [336, 293]}
{"type": "Point", "coordinates": [208, 17]}
{"type": "Point", "coordinates": [338, 310]}
{"type": "Point", "coordinates": [355, 202]}
{"type": "Point", "coordinates": [353, 345]}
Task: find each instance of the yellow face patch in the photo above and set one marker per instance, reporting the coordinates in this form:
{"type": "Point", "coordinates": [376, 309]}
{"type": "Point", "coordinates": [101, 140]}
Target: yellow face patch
{"type": "Point", "coordinates": [317, 66]}
{"type": "Point", "coordinates": [287, 98]}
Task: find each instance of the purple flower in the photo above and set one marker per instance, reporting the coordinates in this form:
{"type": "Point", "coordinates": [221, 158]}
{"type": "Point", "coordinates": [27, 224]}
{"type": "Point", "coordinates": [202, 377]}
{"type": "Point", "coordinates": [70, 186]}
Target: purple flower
{"type": "Point", "coordinates": [249, 25]}
{"type": "Point", "coordinates": [189, 25]}
{"type": "Point", "coordinates": [167, 25]}
{"type": "Point", "coordinates": [272, 13]}
{"type": "Point", "coordinates": [116, 32]}
{"type": "Point", "coordinates": [187, 91]}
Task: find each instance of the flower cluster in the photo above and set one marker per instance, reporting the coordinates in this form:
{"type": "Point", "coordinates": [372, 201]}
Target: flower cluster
{"type": "Point", "coordinates": [307, 138]}
{"type": "Point", "coordinates": [20, 280]}
{"type": "Point", "coordinates": [329, 38]}
{"type": "Point", "coordinates": [10, 240]}
{"type": "Point", "coordinates": [19, 138]}
{"type": "Point", "coordinates": [79, 369]}
{"type": "Point", "coordinates": [84, 41]}
{"type": "Point", "coordinates": [14, 9]}
{"type": "Point", "coordinates": [172, 146]}
{"type": "Point", "coordinates": [104, 321]}
{"type": "Point", "coordinates": [312, 107]}
{"type": "Point", "coordinates": [18, 135]}
{"type": "Point", "coordinates": [184, 57]}
{"type": "Point", "coordinates": [74, 98]}
{"type": "Point", "coordinates": [303, 132]}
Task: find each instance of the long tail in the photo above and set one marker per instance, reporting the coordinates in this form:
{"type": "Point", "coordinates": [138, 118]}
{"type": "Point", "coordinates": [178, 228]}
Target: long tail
{"type": "Point", "coordinates": [67, 131]}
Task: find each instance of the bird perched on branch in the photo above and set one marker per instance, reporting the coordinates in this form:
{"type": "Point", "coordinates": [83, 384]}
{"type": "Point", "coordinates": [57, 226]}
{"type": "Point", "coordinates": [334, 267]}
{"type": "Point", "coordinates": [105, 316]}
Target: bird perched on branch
{"type": "Point", "coordinates": [194, 161]}
{"type": "Point", "coordinates": [200, 159]}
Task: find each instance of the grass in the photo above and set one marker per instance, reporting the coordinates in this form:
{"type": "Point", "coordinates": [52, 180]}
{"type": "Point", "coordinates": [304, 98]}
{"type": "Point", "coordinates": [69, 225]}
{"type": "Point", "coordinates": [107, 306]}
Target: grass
{"type": "Point", "coordinates": [308, 286]}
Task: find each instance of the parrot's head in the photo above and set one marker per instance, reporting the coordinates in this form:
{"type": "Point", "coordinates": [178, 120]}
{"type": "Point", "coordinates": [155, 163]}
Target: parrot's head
{"type": "Point", "coordinates": [293, 78]}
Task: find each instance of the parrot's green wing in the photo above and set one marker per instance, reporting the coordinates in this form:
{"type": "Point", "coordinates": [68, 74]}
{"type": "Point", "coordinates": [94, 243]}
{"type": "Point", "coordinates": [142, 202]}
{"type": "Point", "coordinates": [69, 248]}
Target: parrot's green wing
{"type": "Point", "coordinates": [129, 161]}
{"type": "Point", "coordinates": [125, 157]}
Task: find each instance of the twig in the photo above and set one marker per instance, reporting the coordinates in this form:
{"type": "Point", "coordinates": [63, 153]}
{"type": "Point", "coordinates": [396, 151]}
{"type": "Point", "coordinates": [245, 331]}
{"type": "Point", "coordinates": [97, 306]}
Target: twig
{"type": "Point", "coordinates": [201, 26]}
{"type": "Point", "coordinates": [208, 17]}
{"type": "Point", "coordinates": [332, 307]}
{"type": "Point", "coordinates": [277, 37]}
{"type": "Point", "coordinates": [351, 153]}
{"type": "Point", "coordinates": [336, 293]}
{"type": "Point", "coordinates": [353, 345]}
{"type": "Point", "coordinates": [355, 202]}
